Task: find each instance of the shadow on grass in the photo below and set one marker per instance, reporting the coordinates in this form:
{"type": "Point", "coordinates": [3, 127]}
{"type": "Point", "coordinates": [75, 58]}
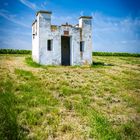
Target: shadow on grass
{"type": "Point", "coordinates": [100, 64]}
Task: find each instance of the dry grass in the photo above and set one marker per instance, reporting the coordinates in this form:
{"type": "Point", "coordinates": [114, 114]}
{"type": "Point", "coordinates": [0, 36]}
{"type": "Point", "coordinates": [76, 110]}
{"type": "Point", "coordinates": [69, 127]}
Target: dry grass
{"type": "Point", "coordinates": [98, 102]}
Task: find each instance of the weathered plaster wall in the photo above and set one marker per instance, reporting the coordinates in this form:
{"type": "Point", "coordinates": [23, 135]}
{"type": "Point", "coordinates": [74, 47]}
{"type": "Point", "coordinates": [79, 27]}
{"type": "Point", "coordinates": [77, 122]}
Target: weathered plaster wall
{"type": "Point", "coordinates": [35, 42]}
{"type": "Point", "coordinates": [86, 32]}
{"type": "Point", "coordinates": [44, 34]}
{"type": "Point", "coordinates": [48, 32]}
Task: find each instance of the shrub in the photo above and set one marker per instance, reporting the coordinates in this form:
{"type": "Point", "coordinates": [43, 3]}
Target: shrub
{"type": "Point", "coordinates": [13, 51]}
{"type": "Point", "coordinates": [115, 54]}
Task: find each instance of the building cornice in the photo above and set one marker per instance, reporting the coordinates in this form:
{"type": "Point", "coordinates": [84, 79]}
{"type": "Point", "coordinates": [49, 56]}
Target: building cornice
{"type": "Point", "coordinates": [44, 12]}
{"type": "Point", "coordinates": [86, 17]}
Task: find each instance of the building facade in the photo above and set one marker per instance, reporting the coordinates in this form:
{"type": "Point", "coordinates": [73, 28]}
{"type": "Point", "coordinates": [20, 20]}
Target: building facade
{"type": "Point", "coordinates": [61, 45]}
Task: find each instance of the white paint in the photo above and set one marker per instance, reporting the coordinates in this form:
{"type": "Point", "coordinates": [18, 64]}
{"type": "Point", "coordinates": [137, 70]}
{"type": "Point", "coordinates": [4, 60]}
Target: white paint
{"type": "Point", "coordinates": [42, 31]}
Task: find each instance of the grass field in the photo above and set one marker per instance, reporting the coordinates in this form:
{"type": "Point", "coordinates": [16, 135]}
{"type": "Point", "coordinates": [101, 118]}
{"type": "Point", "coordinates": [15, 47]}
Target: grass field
{"type": "Point", "coordinates": [100, 102]}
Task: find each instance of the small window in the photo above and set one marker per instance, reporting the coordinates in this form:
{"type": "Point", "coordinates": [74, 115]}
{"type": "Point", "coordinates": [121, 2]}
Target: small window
{"type": "Point", "coordinates": [49, 46]}
{"type": "Point", "coordinates": [82, 46]}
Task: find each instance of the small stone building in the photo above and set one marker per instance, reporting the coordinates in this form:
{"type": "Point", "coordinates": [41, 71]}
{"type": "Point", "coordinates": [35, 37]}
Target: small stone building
{"type": "Point", "coordinates": [61, 45]}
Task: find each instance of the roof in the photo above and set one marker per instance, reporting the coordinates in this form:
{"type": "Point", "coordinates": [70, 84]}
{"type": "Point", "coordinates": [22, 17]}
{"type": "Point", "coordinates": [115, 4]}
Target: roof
{"type": "Point", "coordinates": [87, 17]}
{"type": "Point", "coordinates": [45, 12]}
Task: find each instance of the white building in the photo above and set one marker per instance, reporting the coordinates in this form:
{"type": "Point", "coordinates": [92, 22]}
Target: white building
{"type": "Point", "coordinates": [61, 45]}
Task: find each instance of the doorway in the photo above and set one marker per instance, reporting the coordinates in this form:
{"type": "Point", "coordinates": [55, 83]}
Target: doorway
{"type": "Point", "coordinates": [65, 50]}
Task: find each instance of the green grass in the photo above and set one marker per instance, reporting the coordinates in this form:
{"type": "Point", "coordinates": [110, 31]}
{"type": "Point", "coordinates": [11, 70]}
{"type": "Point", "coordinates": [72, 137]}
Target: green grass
{"type": "Point", "coordinates": [30, 62]}
{"type": "Point", "coordinates": [25, 74]}
{"type": "Point", "coordinates": [9, 127]}
{"type": "Point", "coordinates": [100, 102]}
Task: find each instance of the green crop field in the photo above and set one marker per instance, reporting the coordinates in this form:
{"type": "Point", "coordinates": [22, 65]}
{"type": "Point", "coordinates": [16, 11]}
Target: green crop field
{"type": "Point", "coordinates": [100, 102]}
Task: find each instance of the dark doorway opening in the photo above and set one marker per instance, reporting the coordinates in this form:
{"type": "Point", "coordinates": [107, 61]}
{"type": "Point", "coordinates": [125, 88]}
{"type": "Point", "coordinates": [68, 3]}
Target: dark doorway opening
{"type": "Point", "coordinates": [65, 50]}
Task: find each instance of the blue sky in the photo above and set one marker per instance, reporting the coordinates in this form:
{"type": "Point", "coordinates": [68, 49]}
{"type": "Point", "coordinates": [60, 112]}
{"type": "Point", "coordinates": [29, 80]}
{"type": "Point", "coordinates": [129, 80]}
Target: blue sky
{"type": "Point", "coordinates": [116, 23]}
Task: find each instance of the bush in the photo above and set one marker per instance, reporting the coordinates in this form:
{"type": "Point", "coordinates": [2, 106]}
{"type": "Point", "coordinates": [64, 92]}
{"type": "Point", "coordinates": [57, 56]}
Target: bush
{"type": "Point", "coordinates": [115, 54]}
{"type": "Point", "coordinates": [12, 51]}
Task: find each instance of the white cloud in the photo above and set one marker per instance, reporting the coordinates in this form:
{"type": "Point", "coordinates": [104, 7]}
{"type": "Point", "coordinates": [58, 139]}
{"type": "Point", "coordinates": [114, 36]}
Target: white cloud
{"type": "Point", "coordinates": [116, 34]}
{"type": "Point", "coordinates": [29, 4]}
{"type": "Point", "coordinates": [34, 6]}
{"type": "Point", "coordinates": [13, 18]}
{"type": "Point", "coordinates": [15, 38]}
{"type": "Point", "coordinates": [16, 31]}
